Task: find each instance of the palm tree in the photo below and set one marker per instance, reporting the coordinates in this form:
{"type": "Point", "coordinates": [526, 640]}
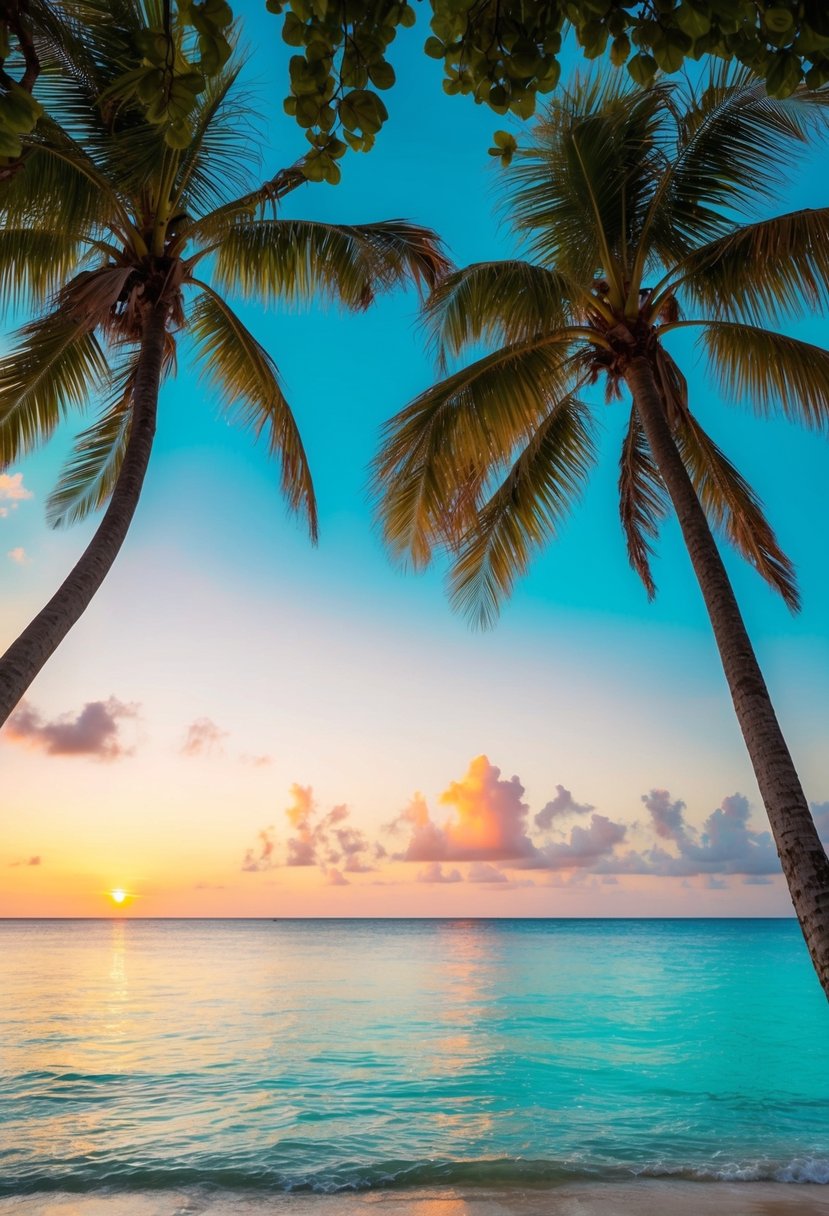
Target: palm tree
{"type": "Point", "coordinates": [629, 203]}
{"type": "Point", "coordinates": [125, 239]}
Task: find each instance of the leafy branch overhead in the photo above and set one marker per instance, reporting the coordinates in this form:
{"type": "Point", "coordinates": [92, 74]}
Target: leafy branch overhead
{"type": "Point", "coordinates": [504, 53]}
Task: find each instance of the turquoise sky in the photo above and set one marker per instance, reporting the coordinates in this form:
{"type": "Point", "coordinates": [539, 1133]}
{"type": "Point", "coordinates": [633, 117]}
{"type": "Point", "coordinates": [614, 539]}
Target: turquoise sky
{"type": "Point", "coordinates": [354, 678]}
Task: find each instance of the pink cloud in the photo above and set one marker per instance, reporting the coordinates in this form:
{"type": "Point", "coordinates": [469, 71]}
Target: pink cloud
{"type": "Point", "coordinates": [95, 731]}
{"type": "Point", "coordinates": [261, 857]}
{"type": "Point", "coordinates": [204, 738]}
{"type": "Point", "coordinates": [12, 488]}
{"type": "Point", "coordinates": [29, 861]}
{"type": "Point", "coordinates": [435, 872]}
{"type": "Point", "coordinates": [585, 847]}
{"type": "Point", "coordinates": [488, 820]}
{"type": "Point", "coordinates": [19, 556]}
{"type": "Point", "coordinates": [325, 840]}
{"type": "Point", "coordinates": [725, 845]}
{"type": "Point", "coordinates": [482, 871]}
{"type": "Point", "coordinates": [261, 761]}
{"type": "Point", "coordinates": [563, 804]}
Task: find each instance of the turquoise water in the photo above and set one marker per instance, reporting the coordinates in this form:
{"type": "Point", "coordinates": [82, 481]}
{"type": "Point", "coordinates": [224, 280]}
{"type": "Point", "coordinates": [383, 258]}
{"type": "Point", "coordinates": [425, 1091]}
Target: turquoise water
{"type": "Point", "coordinates": [272, 1056]}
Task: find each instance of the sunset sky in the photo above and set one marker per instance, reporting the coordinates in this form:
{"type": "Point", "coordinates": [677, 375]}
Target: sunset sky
{"type": "Point", "coordinates": [242, 725]}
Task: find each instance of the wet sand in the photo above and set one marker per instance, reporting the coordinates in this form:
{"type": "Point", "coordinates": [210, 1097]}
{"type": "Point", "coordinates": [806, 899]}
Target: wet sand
{"type": "Point", "coordinates": [589, 1199]}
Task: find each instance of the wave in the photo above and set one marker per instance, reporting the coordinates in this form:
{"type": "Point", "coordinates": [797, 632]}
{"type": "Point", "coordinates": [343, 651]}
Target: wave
{"type": "Point", "coordinates": [493, 1173]}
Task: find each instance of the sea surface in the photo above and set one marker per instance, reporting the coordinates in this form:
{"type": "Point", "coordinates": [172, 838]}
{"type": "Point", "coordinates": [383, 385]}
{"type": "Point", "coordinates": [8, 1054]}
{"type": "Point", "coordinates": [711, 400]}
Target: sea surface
{"type": "Point", "coordinates": [259, 1057]}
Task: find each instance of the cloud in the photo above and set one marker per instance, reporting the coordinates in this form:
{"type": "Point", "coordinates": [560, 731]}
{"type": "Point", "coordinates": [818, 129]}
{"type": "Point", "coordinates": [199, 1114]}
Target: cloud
{"type": "Point", "coordinates": [562, 804]}
{"type": "Point", "coordinates": [261, 761]}
{"type": "Point", "coordinates": [324, 840]}
{"type": "Point", "coordinates": [435, 872]}
{"type": "Point", "coordinates": [209, 886]}
{"type": "Point", "coordinates": [725, 845]}
{"type": "Point", "coordinates": [667, 817]}
{"type": "Point", "coordinates": [488, 820]}
{"type": "Point", "coordinates": [94, 732]}
{"type": "Point", "coordinates": [12, 489]}
{"type": "Point", "coordinates": [302, 846]}
{"type": "Point", "coordinates": [204, 738]}
{"type": "Point", "coordinates": [585, 847]}
{"type": "Point", "coordinates": [482, 871]}
{"type": "Point", "coordinates": [261, 857]}
{"type": "Point", "coordinates": [487, 826]}
{"type": "Point", "coordinates": [757, 880]}
{"type": "Point", "coordinates": [29, 861]}
{"type": "Point", "coordinates": [19, 556]}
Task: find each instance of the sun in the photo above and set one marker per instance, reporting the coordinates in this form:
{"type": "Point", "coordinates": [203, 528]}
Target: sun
{"type": "Point", "coordinates": [118, 895]}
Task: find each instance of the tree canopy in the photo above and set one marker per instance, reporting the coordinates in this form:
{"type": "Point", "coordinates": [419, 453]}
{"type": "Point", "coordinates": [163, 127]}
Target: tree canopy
{"type": "Point", "coordinates": [502, 53]}
{"type": "Point", "coordinates": [505, 53]}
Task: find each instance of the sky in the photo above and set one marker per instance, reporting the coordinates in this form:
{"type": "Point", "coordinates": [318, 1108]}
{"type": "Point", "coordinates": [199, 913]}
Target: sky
{"type": "Point", "coordinates": [244, 725]}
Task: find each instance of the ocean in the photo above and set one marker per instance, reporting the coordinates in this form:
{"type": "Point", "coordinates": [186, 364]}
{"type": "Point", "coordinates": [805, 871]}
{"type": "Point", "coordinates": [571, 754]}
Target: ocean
{"type": "Point", "coordinates": [253, 1058]}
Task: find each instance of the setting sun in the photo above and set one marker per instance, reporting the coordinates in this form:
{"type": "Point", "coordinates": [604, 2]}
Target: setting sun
{"type": "Point", "coordinates": [118, 895]}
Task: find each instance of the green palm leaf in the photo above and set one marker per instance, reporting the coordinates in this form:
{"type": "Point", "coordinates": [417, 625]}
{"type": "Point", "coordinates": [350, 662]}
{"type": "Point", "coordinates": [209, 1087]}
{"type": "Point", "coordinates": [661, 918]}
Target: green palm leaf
{"type": "Point", "coordinates": [495, 302]}
{"type": "Point", "coordinates": [438, 452]}
{"type": "Point", "coordinates": [89, 476]}
{"type": "Point", "coordinates": [524, 513]}
{"type": "Point", "coordinates": [215, 165]}
{"type": "Point", "coordinates": [580, 192]}
{"type": "Point", "coordinates": [56, 178]}
{"type": "Point", "coordinates": [294, 259]}
{"type": "Point", "coordinates": [643, 502]}
{"type": "Point", "coordinates": [773, 372]}
{"type": "Point", "coordinates": [34, 263]}
{"type": "Point", "coordinates": [248, 384]}
{"type": "Point", "coordinates": [54, 366]}
{"type": "Point", "coordinates": [731, 504]}
{"type": "Point", "coordinates": [731, 136]}
{"type": "Point", "coordinates": [761, 270]}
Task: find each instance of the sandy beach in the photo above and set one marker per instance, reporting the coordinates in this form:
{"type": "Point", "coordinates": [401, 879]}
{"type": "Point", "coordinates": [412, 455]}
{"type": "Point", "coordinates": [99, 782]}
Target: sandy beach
{"type": "Point", "coordinates": [611, 1199]}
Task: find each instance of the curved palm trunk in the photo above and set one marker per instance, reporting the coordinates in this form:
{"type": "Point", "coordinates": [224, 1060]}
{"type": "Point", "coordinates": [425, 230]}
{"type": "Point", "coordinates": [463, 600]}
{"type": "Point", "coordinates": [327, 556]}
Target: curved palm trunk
{"type": "Point", "coordinates": [802, 855]}
{"type": "Point", "coordinates": [25, 657]}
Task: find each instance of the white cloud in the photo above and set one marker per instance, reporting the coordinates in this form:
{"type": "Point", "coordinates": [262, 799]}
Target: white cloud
{"type": "Point", "coordinates": [12, 489]}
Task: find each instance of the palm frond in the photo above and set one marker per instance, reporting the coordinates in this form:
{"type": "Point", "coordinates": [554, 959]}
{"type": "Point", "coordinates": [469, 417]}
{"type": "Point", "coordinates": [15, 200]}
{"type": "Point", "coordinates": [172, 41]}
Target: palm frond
{"type": "Point", "coordinates": [760, 271]}
{"type": "Point", "coordinates": [56, 364]}
{"type": "Point", "coordinates": [247, 381]}
{"type": "Point", "coordinates": [438, 452]}
{"type": "Point", "coordinates": [581, 190]}
{"type": "Point", "coordinates": [734, 142]}
{"type": "Point", "coordinates": [495, 302]}
{"type": "Point", "coordinates": [215, 166]}
{"type": "Point", "coordinates": [525, 512]}
{"type": "Point", "coordinates": [34, 262]}
{"type": "Point", "coordinates": [773, 372]}
{"type": "Point", "coordinates": [731, 504]}
{"type": "Point", "coordinates": [88, 478]}
{"type": "Point", "coordinates": [61, 178]}
{"type": "Point", "coordinates": [295, 259]}
{"type": "Point", "coordinates": [211, 228]}
{"type": "Point", "coordinates": [56, 177]}
{"type": "Point", "coordinates": [643, 502]}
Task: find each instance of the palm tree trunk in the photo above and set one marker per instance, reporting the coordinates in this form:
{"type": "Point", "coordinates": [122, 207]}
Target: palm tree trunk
{"type": "Point", "coordinates": [802, 855]}
{"type": "Point", "coordinates": [25, 657]}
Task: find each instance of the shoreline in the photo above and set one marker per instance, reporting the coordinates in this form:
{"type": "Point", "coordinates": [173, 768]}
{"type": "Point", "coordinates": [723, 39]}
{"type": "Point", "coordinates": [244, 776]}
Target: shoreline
{"type": "Point", "coordinates": [635, 1198]}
